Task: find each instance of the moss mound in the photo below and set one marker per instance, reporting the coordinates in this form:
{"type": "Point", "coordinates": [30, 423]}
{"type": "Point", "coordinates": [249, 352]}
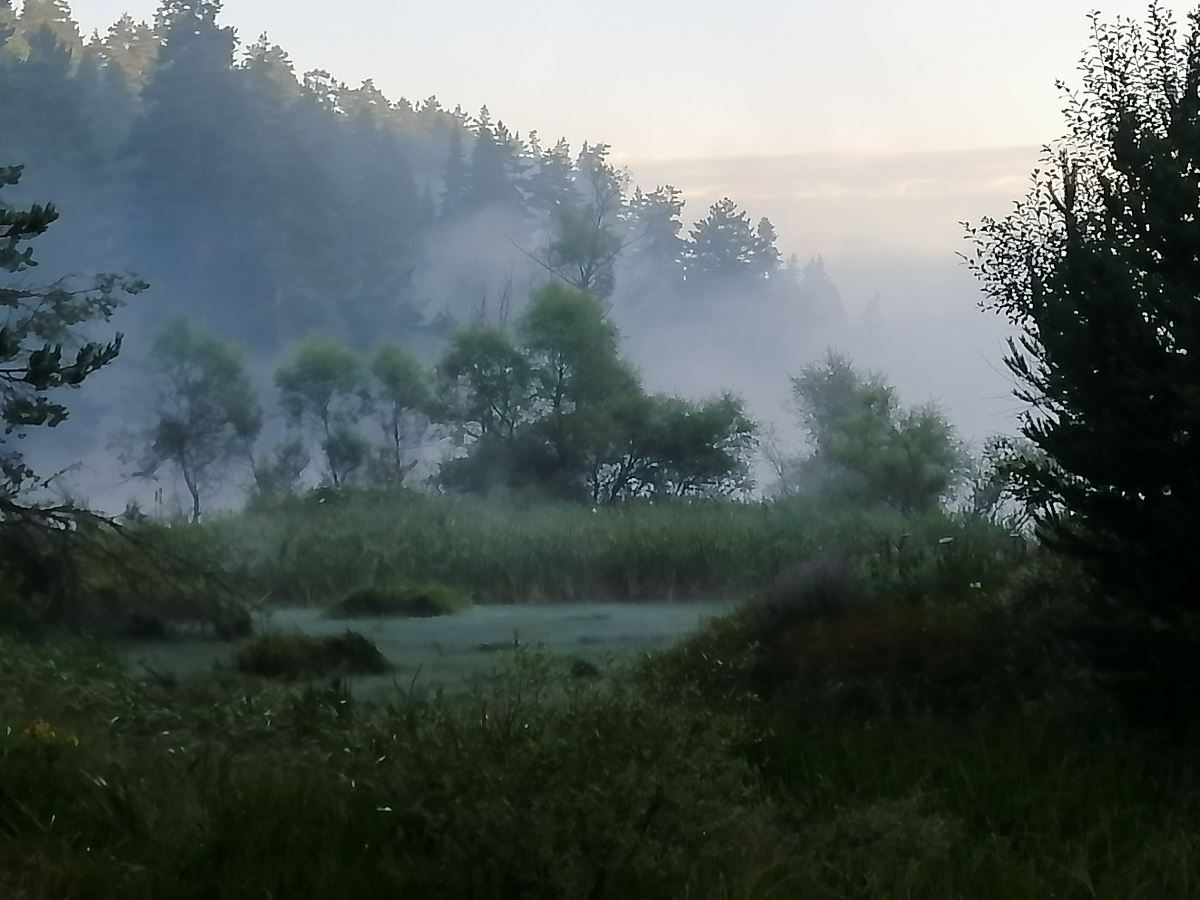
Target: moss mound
{"type": "Point", "coordinates": [294, 656]}
{"type": "Point", "coordinates": [424, 600]}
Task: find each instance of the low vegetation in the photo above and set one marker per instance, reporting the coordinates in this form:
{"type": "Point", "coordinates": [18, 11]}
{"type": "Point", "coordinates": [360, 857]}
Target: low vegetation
{"type": "Point", "coordinates": [300, 656]}
{"type": "Point", "coordinates": [307, 550]}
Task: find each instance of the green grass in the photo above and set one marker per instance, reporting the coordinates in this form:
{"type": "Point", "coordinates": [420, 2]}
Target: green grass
{"type": "Point", "coordinates": [536, 785]}
{"type": "Point", "coordinates": [893, 716]}
{"type": "Point", "coordinates": [312, 552]}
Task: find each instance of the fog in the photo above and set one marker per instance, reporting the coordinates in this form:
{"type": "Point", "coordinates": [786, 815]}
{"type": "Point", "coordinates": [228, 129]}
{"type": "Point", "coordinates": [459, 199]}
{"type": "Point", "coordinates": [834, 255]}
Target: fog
{"type": "Point", "coordinates": [273, 204]}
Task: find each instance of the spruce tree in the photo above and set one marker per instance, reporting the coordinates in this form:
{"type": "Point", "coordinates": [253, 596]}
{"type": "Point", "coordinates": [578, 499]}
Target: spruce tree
{"type": "Point", "coordinates": [1098, 267]}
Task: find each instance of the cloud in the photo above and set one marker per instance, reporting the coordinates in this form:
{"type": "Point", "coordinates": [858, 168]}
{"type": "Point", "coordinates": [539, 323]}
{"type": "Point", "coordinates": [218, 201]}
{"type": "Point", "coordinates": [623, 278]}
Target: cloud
{"type": "Point", "coordinates": [836, 202]}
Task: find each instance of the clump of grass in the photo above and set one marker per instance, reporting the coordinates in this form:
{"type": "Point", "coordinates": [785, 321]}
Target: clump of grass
{"type": "Point", "coordinates": [414, 600]}
{"type": "Point", "coordinates": [295, 656]}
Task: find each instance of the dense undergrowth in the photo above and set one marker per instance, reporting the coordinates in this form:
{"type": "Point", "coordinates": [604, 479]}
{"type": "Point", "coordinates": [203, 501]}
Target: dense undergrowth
{"type": "Point", "coordinates": [996, 783]}
{"type": "Point", "coordinates": [896, 712]}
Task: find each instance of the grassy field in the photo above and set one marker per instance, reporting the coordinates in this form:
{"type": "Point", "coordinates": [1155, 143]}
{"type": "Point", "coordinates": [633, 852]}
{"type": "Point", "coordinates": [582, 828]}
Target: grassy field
{"type": "Point", "coordinates": [892, 713]}
{"type": "Point", "coordinates": [313, 550]}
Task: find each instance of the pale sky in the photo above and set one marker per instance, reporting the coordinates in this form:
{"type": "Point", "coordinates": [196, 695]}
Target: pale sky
{"type": "Point", "coordinates": [703, 78]}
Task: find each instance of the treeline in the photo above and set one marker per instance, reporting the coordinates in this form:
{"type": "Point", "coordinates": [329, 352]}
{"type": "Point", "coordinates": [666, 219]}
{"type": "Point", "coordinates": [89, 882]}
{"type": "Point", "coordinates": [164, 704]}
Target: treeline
{"type": "Point", "coordinates": [548, 406]}
{"type": "Point", "coordinates": [271, 205]}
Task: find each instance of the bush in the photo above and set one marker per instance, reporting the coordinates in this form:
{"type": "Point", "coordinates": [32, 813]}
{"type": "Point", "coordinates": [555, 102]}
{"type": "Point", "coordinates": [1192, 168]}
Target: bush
{"type": "Point", "coordinates": [425, 600]}
{"type": "Point", "coordinates": [836, 640]}
{"type": "Point", "coordinates": [294, 656]}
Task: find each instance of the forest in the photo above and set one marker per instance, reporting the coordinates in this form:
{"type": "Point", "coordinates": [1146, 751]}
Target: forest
{"type": "Point", "coordinates": [416, 583]}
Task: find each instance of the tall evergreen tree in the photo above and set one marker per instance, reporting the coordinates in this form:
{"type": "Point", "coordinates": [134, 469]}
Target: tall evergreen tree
{"type": "Point", "coordinates": [1098, 267]}
{"type": "Point", "coordinates": [132, 47]}
{"type": "Point", "coordinates": [454, 179]}
{"type": "Point", "coordinates": [723, 243]}
{"type": "Point", "coordinates": [491, 179]}
{"type": "Point", "coordinates": [654, 227]}
{"type": "Point", "coordinates": [54, 16]}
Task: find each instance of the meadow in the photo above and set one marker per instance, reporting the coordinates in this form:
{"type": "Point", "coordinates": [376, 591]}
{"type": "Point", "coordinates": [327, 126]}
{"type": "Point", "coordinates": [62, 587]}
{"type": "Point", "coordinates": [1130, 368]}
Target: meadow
{"type": "Point", "coordinates": [888, 711]}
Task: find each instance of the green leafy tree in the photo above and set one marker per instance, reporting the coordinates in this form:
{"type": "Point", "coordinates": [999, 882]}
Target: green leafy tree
{"type": "Point", "coordinates": [206, 413]}
{"type": "Point", "coordinates": [561, 413]}
{"type": "Point", "coordinates": [865, 447]}
{"type": "Point", "coordinates": [43, 342]}
{"type": "Point", "coordinates": [402, 402]}
{"type": "Point", "coordinates": [571, 351]}
{"type": "Point", "coordinates": [668, 446]}
{"type": "Point", "coordinates": [322, 389]}
{"type": "Point", "coordinates": [485, 383]}
{"type": "Point", "coordinates": [1098, 268]}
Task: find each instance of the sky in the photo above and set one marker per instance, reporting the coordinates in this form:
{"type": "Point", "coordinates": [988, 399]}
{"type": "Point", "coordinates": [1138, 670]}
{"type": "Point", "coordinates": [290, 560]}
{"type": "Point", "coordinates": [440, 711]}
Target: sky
{"type": "Point", "coordinates": [874, 124]}
{"type": "Point", "coordinates": [702, 78]}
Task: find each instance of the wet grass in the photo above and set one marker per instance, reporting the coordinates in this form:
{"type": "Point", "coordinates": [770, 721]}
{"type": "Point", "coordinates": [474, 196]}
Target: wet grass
{"type": "Point", "coordinates": [893, 715]}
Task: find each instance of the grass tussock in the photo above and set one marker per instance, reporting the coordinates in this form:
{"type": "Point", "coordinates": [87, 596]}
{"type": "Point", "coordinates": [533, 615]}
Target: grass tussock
{"type": "Point", "coordinates": [298, 656]}
{"type": "Point", "coordinates": [422, 600]}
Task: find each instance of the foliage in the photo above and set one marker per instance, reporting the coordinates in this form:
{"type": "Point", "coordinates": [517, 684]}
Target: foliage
{"type": "Point", "coordinates": [585, 242]}
{"type": "Point", "coordinates": [41, 325]}
{"type": "Point", "coordinates": [563, 414]}
{"type": "Point", "coordinates": [402, 402]}
{"type": "Point", "coordinates": [413, 600]}
{"type": "Point", "coordinates": [299, 656]}
{"type": "Point", "coordinates": [206, 413]}
{"type": "Point", "coordinates": [1097, 267]}
{"type": "Point", "coordinates": [535, 785]}
{"type": "Point", "coordinates": [321, 389]}
{"type": "Point", "coordinates": [866, 449]}
{"type": "Point", "coordinates": [724, 243]}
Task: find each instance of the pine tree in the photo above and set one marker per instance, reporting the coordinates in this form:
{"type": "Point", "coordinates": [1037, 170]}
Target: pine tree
{"type": "Point", "coordinates": [766, 254]}
{"type": "Point", "coordinates": [654, 227]}
{"type": "Point", "coordinates": [454, 181]}
{"type": "Point", "coordinates": [54, 16]}
{"type": "Point", "coordinates": [723, 243]}
{"type": "Point", "coordinates": [132, 47]}
{"type": "Point", "coordinates": [1098, 267]}
{"type": "Point", "coordinates": [494, 165]}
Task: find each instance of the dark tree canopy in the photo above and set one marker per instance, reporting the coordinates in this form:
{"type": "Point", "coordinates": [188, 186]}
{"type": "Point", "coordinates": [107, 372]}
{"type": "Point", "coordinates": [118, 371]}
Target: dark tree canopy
{"type": "Point", "coordinates": [1098, 266]}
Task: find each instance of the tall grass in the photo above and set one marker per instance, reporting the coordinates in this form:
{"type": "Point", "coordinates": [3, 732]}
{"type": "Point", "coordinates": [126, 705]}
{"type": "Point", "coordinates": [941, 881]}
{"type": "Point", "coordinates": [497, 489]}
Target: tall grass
{"type": "Point", "coordinates": [309, 551]}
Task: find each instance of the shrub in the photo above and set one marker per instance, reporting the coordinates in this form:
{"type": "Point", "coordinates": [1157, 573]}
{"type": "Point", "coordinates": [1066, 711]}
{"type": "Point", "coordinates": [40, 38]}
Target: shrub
{"type": "Point", "coordinates": [293, 656]}
{"type": "Point", "coordinates": [421, 600]}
